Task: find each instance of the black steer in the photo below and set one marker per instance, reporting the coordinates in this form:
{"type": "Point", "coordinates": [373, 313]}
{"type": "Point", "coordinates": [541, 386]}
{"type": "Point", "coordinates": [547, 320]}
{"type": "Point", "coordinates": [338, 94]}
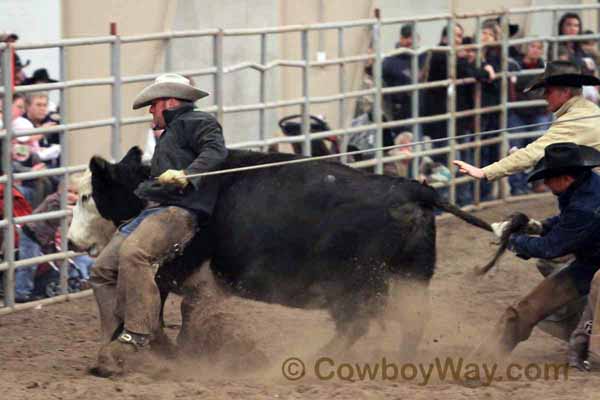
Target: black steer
{"type": "Point", "coordinates": [315, 234]}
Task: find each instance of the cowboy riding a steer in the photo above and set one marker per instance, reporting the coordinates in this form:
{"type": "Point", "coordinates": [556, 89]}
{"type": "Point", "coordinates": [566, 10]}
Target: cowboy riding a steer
{"type": "Point", "coordinates": [316, 234]}
{"type": "Point", "coordinates": [313, 234]}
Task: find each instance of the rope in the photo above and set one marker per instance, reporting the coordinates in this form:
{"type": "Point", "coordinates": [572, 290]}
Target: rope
{"type": "Point", "coordinates": [350, 153]}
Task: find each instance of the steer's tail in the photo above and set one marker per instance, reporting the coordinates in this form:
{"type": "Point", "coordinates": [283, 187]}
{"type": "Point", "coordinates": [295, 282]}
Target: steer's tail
{"type": "Point", "coordinates": [430, 196]}
{"type": "Point", "coordinates": [465, 216]}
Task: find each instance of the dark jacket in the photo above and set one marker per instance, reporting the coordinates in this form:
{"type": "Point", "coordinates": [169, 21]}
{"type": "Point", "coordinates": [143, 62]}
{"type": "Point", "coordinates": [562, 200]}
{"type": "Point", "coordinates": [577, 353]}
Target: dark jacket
{"type": "Point", "coordinates": [575, 230]}
{"type": "Point", "coordinates": [193, 142]}
{"type": "Point", "coordinates": [434, 99]}
{"type": "Point", "coordinates": [397, 71]}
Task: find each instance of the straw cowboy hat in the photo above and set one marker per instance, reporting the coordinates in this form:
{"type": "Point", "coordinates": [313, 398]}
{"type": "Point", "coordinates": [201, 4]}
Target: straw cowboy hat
{"type": "Point", "coordinates": [563, 157]}
{"type": "Point", "coordinates": [167, 86]}
{"type": "Point", "coordinates": [562, 73]}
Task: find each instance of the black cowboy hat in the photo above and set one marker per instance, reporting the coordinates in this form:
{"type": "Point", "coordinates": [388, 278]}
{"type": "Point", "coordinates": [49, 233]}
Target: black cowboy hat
{"type": "Point", "coordinates": [39, 75]}
{"type": "Point", "coordinates": [562, 73]}
{"type": "Point", "coordinates": [564, 157]}
{"type": "Point", "coordinates": [5, 37]}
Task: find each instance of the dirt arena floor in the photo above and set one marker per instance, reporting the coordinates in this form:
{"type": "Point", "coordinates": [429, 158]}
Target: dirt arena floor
{"type": "Point", "coordinates": [45, 353]}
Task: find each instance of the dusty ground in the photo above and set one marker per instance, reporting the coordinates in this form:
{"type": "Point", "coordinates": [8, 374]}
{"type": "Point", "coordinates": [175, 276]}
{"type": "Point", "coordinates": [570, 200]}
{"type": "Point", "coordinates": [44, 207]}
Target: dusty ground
{"type": "Point", "coordinates": [45, 353]}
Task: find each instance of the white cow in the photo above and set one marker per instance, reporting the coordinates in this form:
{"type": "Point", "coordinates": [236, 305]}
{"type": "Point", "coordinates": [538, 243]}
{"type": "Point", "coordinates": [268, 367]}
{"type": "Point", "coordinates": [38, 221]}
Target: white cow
{"type": "Point", "coordinates": [88, 230]}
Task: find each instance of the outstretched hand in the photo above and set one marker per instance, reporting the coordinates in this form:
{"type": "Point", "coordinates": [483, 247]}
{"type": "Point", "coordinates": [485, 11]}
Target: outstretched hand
{"type": "Point", "coordinates": [470, 170]}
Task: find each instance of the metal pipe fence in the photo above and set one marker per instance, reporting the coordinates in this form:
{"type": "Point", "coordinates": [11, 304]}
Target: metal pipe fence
{"type": "Point", "coordinates": [219, 72]}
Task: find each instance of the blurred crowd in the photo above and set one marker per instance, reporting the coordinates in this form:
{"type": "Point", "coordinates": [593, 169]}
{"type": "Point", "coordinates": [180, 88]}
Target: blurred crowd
{"type": "Point", "coordinates": [30, 153]}
{"type": "Point", "coordinates": [397, 70]}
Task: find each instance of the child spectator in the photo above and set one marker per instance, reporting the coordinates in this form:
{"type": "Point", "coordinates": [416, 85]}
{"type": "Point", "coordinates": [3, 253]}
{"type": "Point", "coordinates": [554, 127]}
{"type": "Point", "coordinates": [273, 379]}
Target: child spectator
{"type": "Point", "coordinates": [38, 238]}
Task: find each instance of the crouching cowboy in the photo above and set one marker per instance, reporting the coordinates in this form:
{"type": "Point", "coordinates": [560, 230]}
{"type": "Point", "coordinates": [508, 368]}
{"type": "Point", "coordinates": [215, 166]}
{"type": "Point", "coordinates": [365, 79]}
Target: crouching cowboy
{"type": "Point", "coordinates": [124, 276]}
{"type": "Point", "coordinates": [566, 170]}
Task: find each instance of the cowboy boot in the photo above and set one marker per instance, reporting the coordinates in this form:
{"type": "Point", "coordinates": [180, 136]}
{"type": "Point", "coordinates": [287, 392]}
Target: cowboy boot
{"type": "Point", "coordinates": [115, 357]}
{"type": "Point", "coordinates": [577, 354]}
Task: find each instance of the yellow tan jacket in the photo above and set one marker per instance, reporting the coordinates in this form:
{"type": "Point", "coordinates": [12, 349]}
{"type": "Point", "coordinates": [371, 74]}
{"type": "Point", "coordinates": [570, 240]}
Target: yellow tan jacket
{"type": "Point", "coordinates": [584, 131]}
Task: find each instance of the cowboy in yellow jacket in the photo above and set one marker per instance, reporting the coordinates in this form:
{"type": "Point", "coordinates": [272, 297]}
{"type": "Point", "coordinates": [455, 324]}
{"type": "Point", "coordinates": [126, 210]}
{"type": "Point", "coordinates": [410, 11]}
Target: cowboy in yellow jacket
{"type": "Point", "coordinates": [562, 82]}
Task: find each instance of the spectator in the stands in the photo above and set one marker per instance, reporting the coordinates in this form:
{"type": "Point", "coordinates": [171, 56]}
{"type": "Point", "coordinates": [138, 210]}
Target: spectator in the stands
{"type": "Point", "coordinates": [569, 25]}
{"type": "Point", "coordinates": [434, 99]}
{"type": "Point", "coordinates": [532, 59]}
{"type": "Point", "coordinates": [38, 238]}
{"type": "Point", "coordinates": [590, 48]}
{"type": "Point", "coordinates": [37, 113]}
{"type": "Point", "coordinates": [18, 74]}
{"type": "Point", "coordinates": [397, 71]}
{"type": "Point", "coordinates": [41, 76]}
{"type": "Point", "coordinates": [491, 34]}
{"type": "Point", "coordinates": [27, 156]}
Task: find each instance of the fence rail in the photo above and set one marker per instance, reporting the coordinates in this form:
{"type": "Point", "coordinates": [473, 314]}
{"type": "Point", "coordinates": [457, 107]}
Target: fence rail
{"type": "Point", "coordinates": [218, 71]}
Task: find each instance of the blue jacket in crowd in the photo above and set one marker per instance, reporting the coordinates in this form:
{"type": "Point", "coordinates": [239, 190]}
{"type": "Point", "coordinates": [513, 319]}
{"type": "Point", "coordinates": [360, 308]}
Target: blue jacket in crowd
{"type": "Point", "coordinates": [576, 230]}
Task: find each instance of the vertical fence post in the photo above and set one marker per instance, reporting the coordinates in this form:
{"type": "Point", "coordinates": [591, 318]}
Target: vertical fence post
{"type": "Point", "coordinates": [9, 230]}
{"type": "Point", "coordinates": [168, 54]}
{"type": "Point", "coordinates": [477, 121]}
{"type": "Point", "coordinates": [504, 91]}
{"type": "Point", "coordinates": [343, 103]}
{"type": "Point", "coordinates": [64, 161]}
{"type": "Point", "coordinates": [414, 95]}
{"type": "Point", "coordinates": [378, 88]}
{"type": "Point", "coordinates": [452, 105]}
{"type": "Point", "coordinates": [263, 89]}
{"type": "Point", "coordinates": [115, 70]}
{"type": "Point", "coordinates": [306, 148]}
{"type": "Point", "coordinates": [218, 77]}
{"type": "Point", "coordinates": [555, 33]}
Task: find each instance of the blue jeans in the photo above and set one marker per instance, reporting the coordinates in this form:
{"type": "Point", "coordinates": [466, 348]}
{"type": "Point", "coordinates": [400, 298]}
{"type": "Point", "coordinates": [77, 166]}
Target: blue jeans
{"type": "Point", "coordinates": [84, 264]}
{"type": "Point", "coordinates": [130, 226]}
{"type": "Point", "coordinates": [24, 276]}
{"type": "Point", "coordinates": [518, 182]}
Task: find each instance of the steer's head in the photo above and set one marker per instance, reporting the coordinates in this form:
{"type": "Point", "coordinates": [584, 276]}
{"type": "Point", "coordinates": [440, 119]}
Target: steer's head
{"type": "Point", "coordinates": [106, 200]}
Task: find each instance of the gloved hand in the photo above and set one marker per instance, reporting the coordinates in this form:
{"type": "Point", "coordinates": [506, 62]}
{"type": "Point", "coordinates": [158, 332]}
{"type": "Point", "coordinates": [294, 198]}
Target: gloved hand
{"type": "Point", "coordinates": [499, 227]}
{"type": "Point", "coordinates": [534, 227]}
{"type": "Point", "coordinates": [173, 177]}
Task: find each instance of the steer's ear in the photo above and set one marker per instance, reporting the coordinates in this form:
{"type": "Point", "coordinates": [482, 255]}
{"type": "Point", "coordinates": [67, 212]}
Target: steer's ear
{"type": "Point", "coordinates": [98, 166]}
{"type": "Point", "coordinates": [133, 156]}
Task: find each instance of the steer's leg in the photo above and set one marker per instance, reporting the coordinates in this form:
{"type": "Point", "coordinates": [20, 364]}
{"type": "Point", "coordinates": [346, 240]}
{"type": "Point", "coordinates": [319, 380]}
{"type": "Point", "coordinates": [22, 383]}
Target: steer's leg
{"type": "Point", "coordinates": [363, 299]}
{"type": "Point", "coordinates": [348, 331]}
{"type": "Point", "coordinates": [409, 304]}
{"type": "Point", "coordinates": [412, 267]}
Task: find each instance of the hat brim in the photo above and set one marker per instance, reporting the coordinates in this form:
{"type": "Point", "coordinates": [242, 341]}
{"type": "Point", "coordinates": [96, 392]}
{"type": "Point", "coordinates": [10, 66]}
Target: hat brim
{"type": "Point", "coordinates": [591, 159]}
{"type": "Point", "coordinates": [573, 80]}
{"type": "Point", "coordinates": [167, 90]}
{"type": "Point", "coordinates": [33, 81]}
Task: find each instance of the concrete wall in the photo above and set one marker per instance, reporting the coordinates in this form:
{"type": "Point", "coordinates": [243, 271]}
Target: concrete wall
{"type": "Point", "coordinates": [241, 87]}
{"type": "Point", "coordinates": [88, 18]}
{"type": "Point", "coordinates": [83, 18]}
{"type": "Point", "coordinates": [324, 80]}
{"type": "Point", "coordinates": [91, 18]}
